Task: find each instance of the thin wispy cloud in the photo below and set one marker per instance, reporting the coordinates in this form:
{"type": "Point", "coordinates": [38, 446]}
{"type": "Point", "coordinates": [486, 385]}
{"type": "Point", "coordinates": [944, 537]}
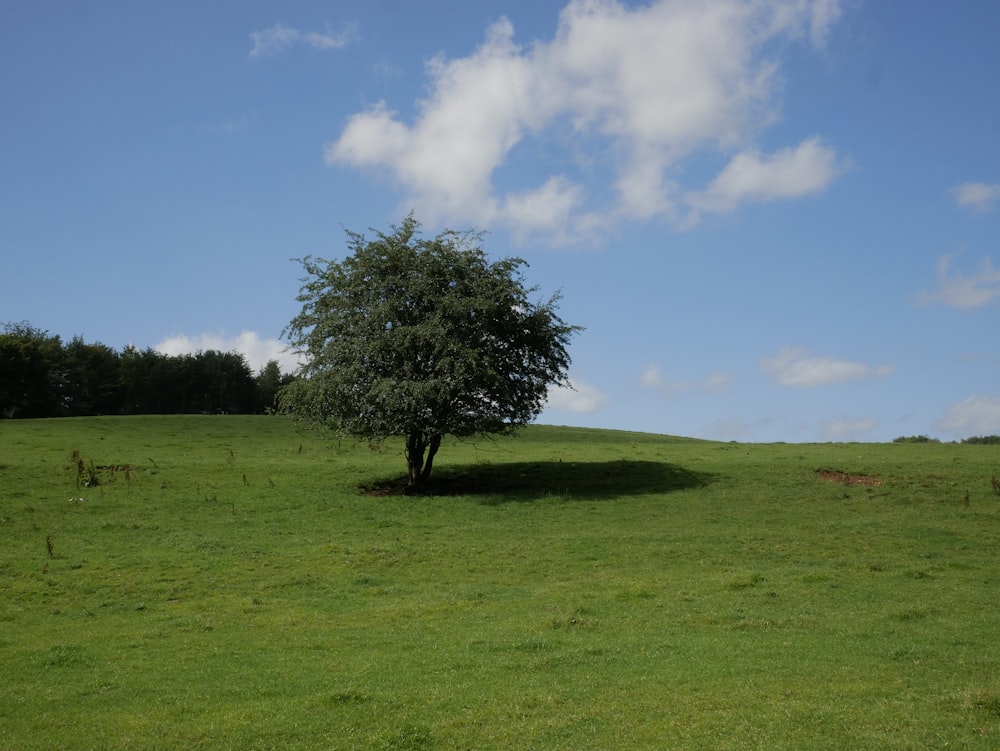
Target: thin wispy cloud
{"type": "Point", "coordinates": [796, 367]}
{"type": "Point", "coordinates": [958, 290]}
{"type": "Point", "coordinates": [847, 428]}
{"type": "Point", "coordinates": [232, 126]}
{"type": "Point", "coordinates": [278, 38]}
{"type": "Point", "coordinates": [637, 90]}
{"type": "Point", "coordinates": [824, 13]}
{"type": "Point", "coordinates": [976, 415]}
{"type": "Point", "coordinates": [980, 197]}
{"type": "Point", "coordinates": [653, 377]}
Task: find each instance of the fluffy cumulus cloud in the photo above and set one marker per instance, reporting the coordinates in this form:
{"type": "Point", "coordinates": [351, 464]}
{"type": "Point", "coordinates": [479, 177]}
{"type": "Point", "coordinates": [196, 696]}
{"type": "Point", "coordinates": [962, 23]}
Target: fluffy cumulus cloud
{"type": "Point", "coordinates": [257, 351]}
{"type": "Point", "coordinates": [655, 378]}
{"type": "Point", "coordinates": [278, 38]}
{"type": "Point", "coordinates": [977, 196]}
{"type": "Point", "coordinates": [576, 397]}
{"type": "Point", "coordinates": [958, 290]}
{"type": "Point", "coordinates": [977, 415]}
{"type": "Point", "coordinates": [636, 89]}
{"type": "Point", "coordinates": [796, 367]}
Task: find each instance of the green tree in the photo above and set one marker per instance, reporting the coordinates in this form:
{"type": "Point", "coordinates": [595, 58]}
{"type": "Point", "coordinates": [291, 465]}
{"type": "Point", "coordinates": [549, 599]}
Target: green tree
{"type": "Point", "coordinates": [218, 382]}
{"type": "Point", "coordinates": [152, 382]}
{"type": "Point", "coordinates": [422, 338]}
{"type": "Point", "coordinates": [31, 383]}
{"type": "Point", "coordinates": [92, 376]}
{"type": "Point", "coordinates": [268, 383]}
{"type": "Point", "coordinates": [134, 376]}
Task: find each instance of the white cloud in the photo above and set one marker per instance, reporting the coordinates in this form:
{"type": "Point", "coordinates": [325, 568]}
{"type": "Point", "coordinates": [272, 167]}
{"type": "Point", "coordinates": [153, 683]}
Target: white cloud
{"type": "Point", "coordinates": [577, 397]}
{"type": "Point", "coordinates": [276, 39]}
{"type": "Point", "coordinates": [754, 177]}
{"type": "Point", "coordinates": [824, 14]}
{"type": "Point", "coordinates": [977, 415]}
{"type": "Point", "coordinates": [477, 112]}
{"type": "Point", "coordinates": [653, 377]}
{"type": "Point", "coordinates": [847, 428]}
{"type": "Point", "coordinates": [552, 210]}
{"type": "Point", "coordinates": [256, 350]}
{"type": "Point", "coordinates": [977, 196]}
{"type": "Point", "coordinates": [793, 366]}
{"type": "Point", "coordinates": [638, 88]}
{"type": "Point", "coordinates": [959, 291]}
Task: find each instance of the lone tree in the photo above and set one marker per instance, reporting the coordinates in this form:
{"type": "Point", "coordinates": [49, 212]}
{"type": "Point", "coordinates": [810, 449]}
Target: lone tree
{"type": "Point", "coordinates": [421, 338]}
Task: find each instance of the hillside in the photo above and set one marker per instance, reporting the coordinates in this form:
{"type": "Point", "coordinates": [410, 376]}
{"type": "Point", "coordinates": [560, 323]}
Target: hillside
{"type": "Point", "coordinates": [231, 583]}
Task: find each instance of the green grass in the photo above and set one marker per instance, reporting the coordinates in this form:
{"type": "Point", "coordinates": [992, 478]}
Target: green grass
{"type": "Point", "coordinates": [230, 587]}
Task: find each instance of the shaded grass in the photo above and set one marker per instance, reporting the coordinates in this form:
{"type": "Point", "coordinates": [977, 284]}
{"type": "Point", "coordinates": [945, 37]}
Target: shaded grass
{"type": "Point", "coordinates": [528, 481]}
{"type": "Point", "coordinates": [241, 592]}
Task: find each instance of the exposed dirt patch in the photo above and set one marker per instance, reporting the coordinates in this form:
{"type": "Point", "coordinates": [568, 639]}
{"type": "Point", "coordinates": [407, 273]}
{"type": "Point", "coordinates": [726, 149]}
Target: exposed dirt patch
{"type": "Point", "coordinates": [833, 475]}
{"type": "Point", "coordinates": [395, 488]}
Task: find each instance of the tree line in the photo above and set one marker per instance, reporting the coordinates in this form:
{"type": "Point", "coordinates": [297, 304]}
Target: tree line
{"type": "Point", "coordinates": [990, 440]}
{"type": "Point", "coordinates": [43, 376]}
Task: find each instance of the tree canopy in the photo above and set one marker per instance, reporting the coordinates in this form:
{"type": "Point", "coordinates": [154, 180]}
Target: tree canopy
{"type": "Point", "coordinates": [420, 338]}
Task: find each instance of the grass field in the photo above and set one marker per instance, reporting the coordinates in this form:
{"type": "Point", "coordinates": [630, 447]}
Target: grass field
{"type": "Point", "coordinates": [226, 584]}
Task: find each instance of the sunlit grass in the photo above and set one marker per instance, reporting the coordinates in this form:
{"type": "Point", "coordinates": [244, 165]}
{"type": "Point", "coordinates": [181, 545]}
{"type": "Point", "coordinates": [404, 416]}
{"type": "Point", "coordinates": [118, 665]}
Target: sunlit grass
{"type": "Point", "coordinates": [563, 589]}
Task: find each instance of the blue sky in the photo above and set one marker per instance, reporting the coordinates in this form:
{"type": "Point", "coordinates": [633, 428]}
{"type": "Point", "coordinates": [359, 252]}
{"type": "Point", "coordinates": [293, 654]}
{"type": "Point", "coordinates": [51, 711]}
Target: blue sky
{"type": "Point", "coordinates": [777, 219]}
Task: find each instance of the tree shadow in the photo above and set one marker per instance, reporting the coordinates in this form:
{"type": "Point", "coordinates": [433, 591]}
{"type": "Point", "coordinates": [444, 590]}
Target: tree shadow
{"type": "Point", "coordinates": [500, 483]}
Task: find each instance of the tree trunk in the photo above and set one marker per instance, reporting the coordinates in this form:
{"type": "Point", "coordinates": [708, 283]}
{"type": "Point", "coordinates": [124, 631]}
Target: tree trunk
{"type": "Point", "coordinates": [418, 471]}
{"type": "Point", "coordinates": [433, 445]}
{"type": "Point", "coordinates": [414, 461]}
{"type": "Point", "coordinates": [416, 444]}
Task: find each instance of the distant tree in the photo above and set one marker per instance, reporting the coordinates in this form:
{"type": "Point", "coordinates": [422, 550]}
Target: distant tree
{"type": "Point", "coordinates": [167, 383]}
{"type": "Point", "coordinates": [422, 338]}
{"type": "Point", "coordinates": [218, 382]}
{"type": "Point", "coordinates": [269, 382]}
{"type": "Point", "coordinates": [31, 378]}
{"type": "Point", "coordinates": [152, 382]}
{"type": "Point", "coordinates": [989, 440]}
{"type": "Point", "coordinates": [92, 379]}
{"type": "Point", "coordinates": [133, 380]}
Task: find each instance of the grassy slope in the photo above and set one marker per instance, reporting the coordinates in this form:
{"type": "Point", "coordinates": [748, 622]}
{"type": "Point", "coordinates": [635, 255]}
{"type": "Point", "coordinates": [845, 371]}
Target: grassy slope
{"type": "Point", "coordinates": [570, 589]}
